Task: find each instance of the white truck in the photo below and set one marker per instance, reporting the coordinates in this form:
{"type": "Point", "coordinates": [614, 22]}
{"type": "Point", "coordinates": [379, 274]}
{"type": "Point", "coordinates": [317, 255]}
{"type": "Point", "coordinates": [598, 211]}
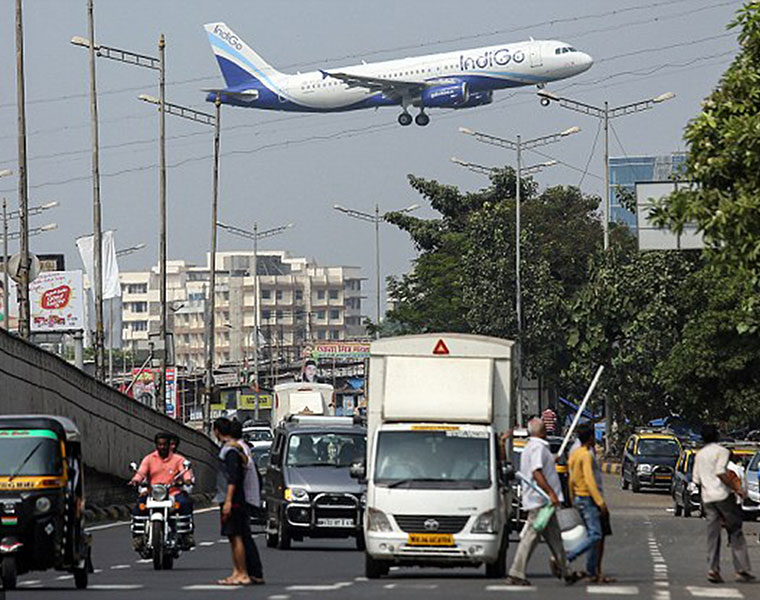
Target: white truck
{"type": "Point", "coordinates": [437, 491]}
{"type": "Point", "coordinates": [301, 398]}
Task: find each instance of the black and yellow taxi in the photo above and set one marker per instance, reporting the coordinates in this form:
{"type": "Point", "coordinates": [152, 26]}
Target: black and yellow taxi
{"type": "Point", "coordinates": [42, 498]}
{"type": "Point", "coordinates": [649, 459]}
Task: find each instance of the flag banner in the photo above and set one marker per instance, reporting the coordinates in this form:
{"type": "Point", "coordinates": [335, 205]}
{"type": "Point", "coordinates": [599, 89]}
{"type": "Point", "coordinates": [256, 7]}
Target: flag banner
{"type": "Point", "coordinates": [111, 285]}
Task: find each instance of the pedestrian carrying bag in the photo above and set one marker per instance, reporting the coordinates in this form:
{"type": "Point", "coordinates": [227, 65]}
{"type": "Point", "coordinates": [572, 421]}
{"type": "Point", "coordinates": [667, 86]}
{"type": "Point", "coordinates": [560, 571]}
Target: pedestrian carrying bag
{"type": "Point", "coordinates": [542, 518]}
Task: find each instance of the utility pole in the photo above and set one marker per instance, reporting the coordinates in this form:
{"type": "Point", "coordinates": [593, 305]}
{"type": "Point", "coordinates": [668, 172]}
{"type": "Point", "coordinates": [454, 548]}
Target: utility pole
{"type": "Point", "coordinates": [518, 146]}
{"type": "Point", "coordinates": [97, 243]}
{"type": "Point", "coordinates": [161, 397]}
{"type": "Point", "coordinates": [24, 322]}
{"type": "Point", "coordinates": [6, 291]}
{"type": "Point", "coordinates": [375, 218]}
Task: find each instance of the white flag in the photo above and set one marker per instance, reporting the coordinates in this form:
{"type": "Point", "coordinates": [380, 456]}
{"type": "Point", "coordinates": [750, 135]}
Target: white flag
{"type": "Point", "coordinates": [111, 284]}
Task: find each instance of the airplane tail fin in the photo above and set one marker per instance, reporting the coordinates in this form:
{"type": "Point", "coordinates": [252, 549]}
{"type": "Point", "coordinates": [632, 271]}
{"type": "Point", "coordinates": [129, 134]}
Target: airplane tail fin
{"type": "Point", "coordinates": [237, 61]}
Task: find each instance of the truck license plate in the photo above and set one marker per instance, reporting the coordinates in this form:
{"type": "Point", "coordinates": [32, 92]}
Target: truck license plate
{"type": "Point", "coordinates": [335, 522]}
{"type": "Point", "coordinates": [431, 539]}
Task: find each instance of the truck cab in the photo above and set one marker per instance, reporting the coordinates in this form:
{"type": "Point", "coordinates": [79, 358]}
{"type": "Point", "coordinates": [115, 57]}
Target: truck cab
{"type": "Point", "coordinates": [436, 487]}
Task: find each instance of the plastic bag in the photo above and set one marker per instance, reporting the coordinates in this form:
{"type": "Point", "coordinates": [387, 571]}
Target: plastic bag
{"type": "Point", "coordinates": [542, 518]}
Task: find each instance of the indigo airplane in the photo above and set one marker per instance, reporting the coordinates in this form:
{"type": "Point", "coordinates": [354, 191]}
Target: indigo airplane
{"type": "Point", "coordinates": [449, 80]}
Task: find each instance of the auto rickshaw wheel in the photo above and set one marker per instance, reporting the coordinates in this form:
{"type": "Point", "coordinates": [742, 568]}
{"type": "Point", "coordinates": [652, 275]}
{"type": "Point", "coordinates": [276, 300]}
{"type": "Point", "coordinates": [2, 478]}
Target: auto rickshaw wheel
{"type": "Point", "coordinates": [168, 562]}
{"type": "Point", "coordinates": [80, 578]}
{"type": "Point", "coordinates": [9, 573]}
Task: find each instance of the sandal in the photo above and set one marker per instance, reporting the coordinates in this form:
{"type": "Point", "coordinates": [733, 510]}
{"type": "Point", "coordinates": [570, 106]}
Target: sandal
{"type": "Point", "coordinates": [517, 581]}
{"type": "Point", "coordinates": [745, 577]}
{"type": "Point", "coordinates": [555, 568]}
{"type": "Point", "coordinates": [604, 579]}
{"type": "Point", "coordinates": [714, 577]}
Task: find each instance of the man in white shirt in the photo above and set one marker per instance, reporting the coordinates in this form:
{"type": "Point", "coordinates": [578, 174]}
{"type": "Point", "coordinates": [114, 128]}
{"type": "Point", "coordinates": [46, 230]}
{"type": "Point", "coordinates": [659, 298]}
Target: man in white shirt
{"type": "Point", "coordinates": [538, 464]}
{"type": "Point", "coordinates": [718, 488]}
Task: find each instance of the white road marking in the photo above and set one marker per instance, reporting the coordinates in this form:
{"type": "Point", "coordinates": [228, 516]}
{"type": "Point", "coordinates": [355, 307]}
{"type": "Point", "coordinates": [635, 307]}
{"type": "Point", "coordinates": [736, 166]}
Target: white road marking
{"type": "Point", "coordinates": [714, 592]}
{"type": "Point", "coordinates": [144, 561]}
{"type": "Point", "coordinates": [96, 571]}
{"type": "Point", "coordinates": [511, 588]}
{"type": "Point", "coordinates": [64, 577]}
{"type": "Point", "coordinates": [118, 567]}
{"type": "Point", "coordinates": [116, 586]}
{"type": "Point", "coordinates": [279, 597]}
{"type": "Point", "coordinates": [210, 587]}
{"type": "Point", "coordinates": [207, 543]}
{"type": "Point", "coordinates": [319, 587]}
{"type": "Point", "coordinates": [615, 590]}
{"type": "Point", "coordinates": [30, 582]}
{"type": "Point", "coordinates": [360, 579]}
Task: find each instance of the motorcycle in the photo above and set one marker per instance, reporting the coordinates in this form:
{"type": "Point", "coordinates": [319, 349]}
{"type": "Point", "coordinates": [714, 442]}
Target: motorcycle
{"type": "Point", "coordinates": [162, 528]}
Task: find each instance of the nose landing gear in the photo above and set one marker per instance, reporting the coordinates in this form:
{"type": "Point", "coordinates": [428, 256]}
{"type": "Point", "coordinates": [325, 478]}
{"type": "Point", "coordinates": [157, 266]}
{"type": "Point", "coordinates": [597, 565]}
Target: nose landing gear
{"type": "Point", "coordinates": [545, 102]}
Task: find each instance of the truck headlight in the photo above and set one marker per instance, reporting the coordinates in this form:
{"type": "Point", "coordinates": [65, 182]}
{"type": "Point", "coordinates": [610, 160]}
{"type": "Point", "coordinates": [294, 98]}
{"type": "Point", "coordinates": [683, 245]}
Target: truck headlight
{"type": "Point", "coordinates": [43, 504]}
{"type": "Point", "coordinates": [377, 521]}
{"type": "Point", "coordinates": [485, 523]}
{"type": "Point", "coordinates": [296, 495]}
{"type": "Point", "coordinates": [644, 468]}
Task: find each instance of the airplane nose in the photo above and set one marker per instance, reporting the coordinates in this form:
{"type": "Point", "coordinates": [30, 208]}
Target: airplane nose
{"type": "Point", "coordinates": [586, 61]}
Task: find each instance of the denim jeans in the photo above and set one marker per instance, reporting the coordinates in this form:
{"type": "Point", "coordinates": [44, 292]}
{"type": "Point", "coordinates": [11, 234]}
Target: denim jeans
{"type": "Point", "coordinates": [592, 519]}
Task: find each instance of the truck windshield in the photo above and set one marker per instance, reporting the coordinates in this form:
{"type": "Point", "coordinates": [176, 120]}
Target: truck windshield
{"type": "Point", "coordinates": [433, 459]}
{"type": "Point", "coordinates": [325, 449]}
{"type": "Point", "coordinates": [29, 452]}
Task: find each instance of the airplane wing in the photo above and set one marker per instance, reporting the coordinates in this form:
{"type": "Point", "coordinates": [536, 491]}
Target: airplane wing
{"type": "Point", "coordinates": [391, 87]}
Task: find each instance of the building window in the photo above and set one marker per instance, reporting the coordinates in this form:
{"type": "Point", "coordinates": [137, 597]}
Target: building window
{"type": "Point", "coordinates": [335, 334]}
{"type": "Point", "coordinates": [266, 314]}
{"type": "Point", "coordinates": [279, 315]}
{"type": "Point", "coordinates": [139, 307]}
{"type": "Point", "coordinates": [320, 335]}
{"type": "Point", "coordinates": [139, 326]}
{"type": "Point", "coordinates": [278, 294]}
{"type": "Point", "coordinates": [334, 314]}
{"type": "Point", "coordinates": [137, 288]}
{"type": "Point", "coordinates": [321, 315]}
{"type": "Point", "coordinates": [320, 294]}
{"type": "Point", "coordinates": [299, 295]}
{"type": "Point", "coordinates": [266, 294]}
{"type": "Point", "coordinates": [333, 294]}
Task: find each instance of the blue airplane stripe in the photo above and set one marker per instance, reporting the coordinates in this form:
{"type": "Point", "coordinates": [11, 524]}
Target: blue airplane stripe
{"type": "Point", "coordinates": [217, 43]}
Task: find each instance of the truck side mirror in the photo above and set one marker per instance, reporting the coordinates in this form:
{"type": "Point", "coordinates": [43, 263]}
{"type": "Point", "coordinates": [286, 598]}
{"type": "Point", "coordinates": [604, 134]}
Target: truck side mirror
{"type": "Point", "coordinates": [358, 470]}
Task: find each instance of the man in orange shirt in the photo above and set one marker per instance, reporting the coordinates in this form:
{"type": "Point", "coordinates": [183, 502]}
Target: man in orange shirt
{"type": "Point", "coordinates": [162, 466]}
{"type": "Point", "coordinates": [588, 500]}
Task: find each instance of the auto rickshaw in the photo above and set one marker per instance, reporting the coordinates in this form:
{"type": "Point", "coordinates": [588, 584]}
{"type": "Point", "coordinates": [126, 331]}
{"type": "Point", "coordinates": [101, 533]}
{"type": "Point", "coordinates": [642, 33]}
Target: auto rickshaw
{"type": "Point", "coordinates": [42, 498]}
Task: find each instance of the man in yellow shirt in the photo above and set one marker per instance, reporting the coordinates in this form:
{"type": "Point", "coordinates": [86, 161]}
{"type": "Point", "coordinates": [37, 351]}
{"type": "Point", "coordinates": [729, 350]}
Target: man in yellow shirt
{"type": "Point", "coordinates": [587, 499]}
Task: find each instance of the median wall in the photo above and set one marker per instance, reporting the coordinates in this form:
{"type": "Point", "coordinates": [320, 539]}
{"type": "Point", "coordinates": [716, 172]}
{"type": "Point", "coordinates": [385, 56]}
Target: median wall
{"type": "Point", "coordinates": [115, 428]}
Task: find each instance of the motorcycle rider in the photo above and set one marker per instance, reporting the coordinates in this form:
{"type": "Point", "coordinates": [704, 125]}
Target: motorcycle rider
{"type": "Point", "coordinates": [162, 466]}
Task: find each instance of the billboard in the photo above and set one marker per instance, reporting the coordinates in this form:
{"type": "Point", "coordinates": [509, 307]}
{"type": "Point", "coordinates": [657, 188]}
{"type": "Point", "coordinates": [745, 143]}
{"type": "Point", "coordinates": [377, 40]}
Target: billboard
{"type": "Point", "coordinates": [652, 237]}
{"type": "Point", "coordinates": [57, 301]}
{"type": "Point", "coordinates": [337, 350]}
{"type": "Point", "coordinates": [144, 389]}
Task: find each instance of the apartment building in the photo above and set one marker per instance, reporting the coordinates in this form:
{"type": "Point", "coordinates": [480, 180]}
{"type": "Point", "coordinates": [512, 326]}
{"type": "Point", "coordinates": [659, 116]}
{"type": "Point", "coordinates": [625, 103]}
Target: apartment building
{"type": "Point", "coordinates": [298, 301]}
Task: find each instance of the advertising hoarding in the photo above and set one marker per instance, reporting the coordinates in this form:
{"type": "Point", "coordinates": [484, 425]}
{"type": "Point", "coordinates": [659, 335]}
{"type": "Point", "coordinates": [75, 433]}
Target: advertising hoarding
{"type": "Point", "coordinates": [57, 301]}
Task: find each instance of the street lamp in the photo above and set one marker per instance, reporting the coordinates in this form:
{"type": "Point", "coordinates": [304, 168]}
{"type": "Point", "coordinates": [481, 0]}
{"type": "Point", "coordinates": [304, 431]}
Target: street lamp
{"type": "Point", "coordinates": [215, 121]}
{"type": "Point", "coordinates": [16, 214]}
{"type": "Point", "coordinates": [255, 235]}
{"type": "Point", "coordinates": [156, 64]}
{"type": "Point", "coordinates": [519, 145]}
{"type": "Point", "coordinates": [604, 113]}
{"type": "Point", "coordinates": [484, 170]}
{"type": "Point", "coordinates": [376, 218]}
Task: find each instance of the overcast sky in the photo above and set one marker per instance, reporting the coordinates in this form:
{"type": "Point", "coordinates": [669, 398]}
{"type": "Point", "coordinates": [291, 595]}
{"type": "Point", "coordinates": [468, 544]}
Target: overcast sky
{"type": "Point", "coordinates": [284, 167]}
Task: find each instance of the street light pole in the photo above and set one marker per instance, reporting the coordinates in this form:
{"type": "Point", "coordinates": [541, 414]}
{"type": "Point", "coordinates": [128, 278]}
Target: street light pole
{"type": "Point", "coordinates": [6, 291]}
{"type": "Point", "coordinates": [23, 288]}
{"type": "Point", "coordinates": [518, 146]}
{"type": "Point", "coordinates": [375, 218]}
{"type": "Point", "coordinates": [97, 232]}
{"type": "Point", "coordinates": [605, 113]}
{"type": "Point", "coordinates": [255, 235]}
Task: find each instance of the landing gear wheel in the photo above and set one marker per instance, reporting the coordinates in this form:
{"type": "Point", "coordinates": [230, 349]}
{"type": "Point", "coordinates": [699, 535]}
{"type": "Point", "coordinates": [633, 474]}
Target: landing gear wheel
{"type": "Point", "coordinates": [405, 119]}
{"type": "Point", "coordinates": [545, 102]}
{"type": "Point", "coordinates": [9, 574]}
{"type": "Point", "coordinates": [498, 569]}
{"type": "Point", "coordinates": [374, 569]}
{"type": "Point", "coordinates": [283, 536]}
{"type": "Point", "coordinates": [158, 545]}
{"type": "Point", "coordinates": [422, 119]}
{"type": "Point", "coordinates": [80, 578]}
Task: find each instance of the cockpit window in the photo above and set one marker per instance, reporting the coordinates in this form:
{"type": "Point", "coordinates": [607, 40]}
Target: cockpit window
{"type": "Point", "coordinates": [564, 50]}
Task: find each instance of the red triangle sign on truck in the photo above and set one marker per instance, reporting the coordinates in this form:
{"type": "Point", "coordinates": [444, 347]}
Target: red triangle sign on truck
{"type": "Point", "coordinates": [441, 348]}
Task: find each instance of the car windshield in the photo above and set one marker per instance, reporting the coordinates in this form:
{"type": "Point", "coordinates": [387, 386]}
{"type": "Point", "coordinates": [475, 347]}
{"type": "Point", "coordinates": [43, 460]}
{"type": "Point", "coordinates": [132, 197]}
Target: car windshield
{"type": "Point", "coordinates": [29, 452]}
{"type": "Point", "coordinates": [656, 447]}
{"type": "Point", "coordinates": [433, 459]}
{"type": "Point", "coordinates": [325, 448]}
{"type": "Point", "coordinates": [257, 435]}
